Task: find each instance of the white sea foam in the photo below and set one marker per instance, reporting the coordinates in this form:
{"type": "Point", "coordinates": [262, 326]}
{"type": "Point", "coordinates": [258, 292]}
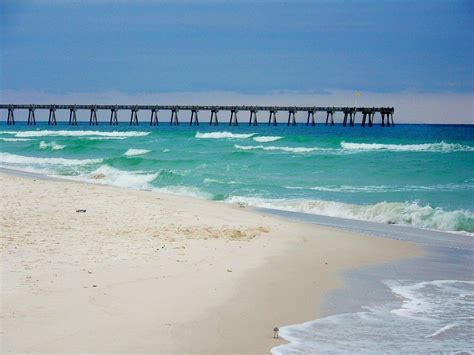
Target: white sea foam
{"type": "Point", "coordinates": [14, 139]}
{"type": "Point", "coordinates": [403, 213]}
{"type": "Point", "coordinates": [183, 191]}
{"type": "Point", "coordinates": [133, 152]}
{"type": "Point", "coordinates": [13, 159]}
{"type": "Point", "coordinates": [266, 139]}
{"type": "Point", "coordinates": [71, 133]}
{"type": "Point", "coordinates": [129, 179]}
{"type": "Point", "coordinates": [426, 147]}
{"type": "Point", "coordinates": [282, 149]}
{"type": "Point", "coordinates": [104, 138]}
{"type": "Point", "coordinates": [385, 188]}
{"type": "Point", "coordinates": [221, 182]}
{"type": "Point", "coordinates": [429, 317]}
{"type": "Point", "coordinates": [51, 145]}
{"type": "Point", "coordinates": [223, 135]}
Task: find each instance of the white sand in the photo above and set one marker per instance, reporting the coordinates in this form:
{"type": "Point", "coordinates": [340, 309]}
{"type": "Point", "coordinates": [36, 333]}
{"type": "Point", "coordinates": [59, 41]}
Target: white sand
{"type": "Point", "coordinates": [155, 273]}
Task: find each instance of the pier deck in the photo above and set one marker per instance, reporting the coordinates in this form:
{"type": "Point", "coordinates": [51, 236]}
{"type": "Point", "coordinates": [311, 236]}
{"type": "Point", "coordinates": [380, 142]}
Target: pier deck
{"type": "Point", "coordinates": [349, 118]}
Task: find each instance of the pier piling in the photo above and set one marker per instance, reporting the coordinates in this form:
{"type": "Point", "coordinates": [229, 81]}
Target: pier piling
{"type": "Point", "coordinates": [291, 116]}
{"type": "Point", "coordinates": [233, 121]}
{"type": "Point", "coordinates": [272, 119]}
{"type": "Point", "coordinates": [52, 116]}
{"type": "Point", "coordinates": [154, 117]}
{"type": "Point", "coordinates": [253, 118]}
{"type": "Point", "coordinates": [194, 118]}
{"type": "Point", "coordinates": [72, 116]}
{"type": "Point", "coordinates": [31, 116]}
{"type": "Point", "coordinates": [113, 116]}
{"type": "Point", "coordinates": [213, 120]}
{"type": "Point", "coordinates": [134, 116]}
{"type": "Point", "coordinates": [368, 114]}
{"type": "Point", "coordinates": [174, 117]}
{"type": "Point", "coordinates": [93, 117]}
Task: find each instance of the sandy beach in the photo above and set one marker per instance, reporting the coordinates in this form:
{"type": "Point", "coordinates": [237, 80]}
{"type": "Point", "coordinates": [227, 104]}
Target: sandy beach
{"type": "Point", "coordinates": [148, 272]}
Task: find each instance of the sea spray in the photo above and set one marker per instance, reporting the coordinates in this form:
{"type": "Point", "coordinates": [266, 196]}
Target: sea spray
{"type": "Point", "coordinates": [408, 213]}
{"type": "Point", "coordinates": [133, 152]}
{"type": "Point", "coordinates": [51, 145]}
{"type": "Point", "coordinates": [266, 139]}
{"type": "Point", "coordinates": [223, 135]}
{"type": "Point", "coordinates": [426, 147]}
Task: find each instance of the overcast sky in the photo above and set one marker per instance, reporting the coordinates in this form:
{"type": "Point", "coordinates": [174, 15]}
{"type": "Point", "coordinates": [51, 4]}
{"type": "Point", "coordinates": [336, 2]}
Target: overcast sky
{"type": "Point", "coordinates": [414, 55]}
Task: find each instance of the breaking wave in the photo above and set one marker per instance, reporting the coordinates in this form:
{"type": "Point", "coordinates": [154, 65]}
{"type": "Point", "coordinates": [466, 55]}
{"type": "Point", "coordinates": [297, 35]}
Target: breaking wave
{"type": "Point", "coordinates": [7, 158]}
{"type": "Point", "coordinates": [408, 213]}
{"type": "Point", "coordinates": [429, 317]}
{"type": "Point", "coordinates": [468, 186]}
{"type": "Point", "coordinates": [52, 145]}
{"type": "Point", "coordinates": [120, 178]}
{"type": "Point", "coordinates": [283, 149]}
{"type": "Point", "coordinates": [133, 152]}
{"type": "Point", "coordinates": [65, 133]}
{"type": "Point", "coordinates": [223, 135]}
{"type": "Point", "coordinates": [14, 139]}
{"type": "Point", "coordinates": [426, 147]}
{"type": "Point", "coordinates": [266, 139]}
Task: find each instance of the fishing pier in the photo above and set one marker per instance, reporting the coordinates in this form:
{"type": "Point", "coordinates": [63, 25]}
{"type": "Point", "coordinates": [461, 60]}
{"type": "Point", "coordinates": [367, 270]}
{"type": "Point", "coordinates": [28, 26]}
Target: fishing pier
{"type": "Point", "coordinates": [348, 114]}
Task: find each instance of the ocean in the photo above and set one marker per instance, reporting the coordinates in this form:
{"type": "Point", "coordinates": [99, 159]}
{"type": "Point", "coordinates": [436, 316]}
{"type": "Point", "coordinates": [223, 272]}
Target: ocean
{"type": "Point", "coordinates": [405, 176]}
{"type": "Point", "coordinates": [415, 175]}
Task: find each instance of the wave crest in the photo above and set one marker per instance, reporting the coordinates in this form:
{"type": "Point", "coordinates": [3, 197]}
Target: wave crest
{"type": "Point", "coordinates": [52, 145]}
{"type": "Point", "coordinates": [67, 133]}
{"type": "Point", "coordinates": [425, 147]}
{"type": "Point", "coordinates": [223, 135]}
{"type": "Point", "coordinates": [7, 158]}
{"type": "Point", "coordinates": [402, 213]}
{"type": "Point", "coordinates": [275, 148]}
{"type": "Point", "coordinates": [266, 139]}
{"type": "Point", "coordinates": [133, 152]}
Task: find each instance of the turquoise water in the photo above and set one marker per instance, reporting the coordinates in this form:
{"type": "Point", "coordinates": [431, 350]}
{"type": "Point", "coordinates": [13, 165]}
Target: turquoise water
{"type": "Point", "coordinates": [419, 175]}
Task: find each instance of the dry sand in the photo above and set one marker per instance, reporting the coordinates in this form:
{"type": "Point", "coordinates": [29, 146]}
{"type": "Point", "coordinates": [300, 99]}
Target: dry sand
{"type": "Point", "coordinates": [154, 273]}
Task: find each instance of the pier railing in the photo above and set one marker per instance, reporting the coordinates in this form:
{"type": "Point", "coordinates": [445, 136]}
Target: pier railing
{"type": "Point", "coordinates": [349, 113]}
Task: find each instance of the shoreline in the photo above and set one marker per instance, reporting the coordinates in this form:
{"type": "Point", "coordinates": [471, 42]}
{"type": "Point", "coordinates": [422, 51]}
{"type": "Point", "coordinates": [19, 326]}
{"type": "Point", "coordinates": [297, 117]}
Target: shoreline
{"type": "Point", "coordinates": [265, 271]}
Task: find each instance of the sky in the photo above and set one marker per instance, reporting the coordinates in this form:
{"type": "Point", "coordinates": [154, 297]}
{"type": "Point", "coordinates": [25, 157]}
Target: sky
{"type": "Point", "coordinates": [414, 55]}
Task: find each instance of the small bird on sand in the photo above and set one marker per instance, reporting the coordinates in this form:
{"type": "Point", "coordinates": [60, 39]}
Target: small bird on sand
{"type": "Point", "coordinates": [275, 333]}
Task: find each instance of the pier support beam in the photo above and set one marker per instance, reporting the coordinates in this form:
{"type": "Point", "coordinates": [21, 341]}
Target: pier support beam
{"type": "Point", "coordinates": [233, 121]}
{"type": "Point", "coordinates": [213, 120]}
{"type": "Point", "coordinates": [113, 117]}
{"type": "Point", "coordinates": [154, 117]}
{"type": "Point", "coordinates": [31, 116]}
{"type": "Point", "coordinates": [194, 118]}
{"type": "Point", "coordinates": [10, 117]}
{"type": "Point", "coordinates": [174, 117]}
{"type": "Point", "coordinates": [292, 118]}
{"type": "Point", "coordinates": [311, 115]}
{"type": "Point", "coordinates": [272, 119]}
{"type": "Point", "coordinates": [72, 116]}
{"type": "Point", "coordinates": [134, 117]}
{"type": "Point", "coordinates": [391, 116]}
{"type": "Point", "coordinates": [253, 118]}
{"type": "Point", "coordinates": [52, 116]}
{"type": "Point", "coordinates": [93, 117]}
{"type": "Point", "coordinates": [352, 115]}
{"type": "Point", "coordinates": [330, 114]}
{"type": "Point", "coordinates": [383, 118]}
{"type": "Point", "coordinates": [344, 122]}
